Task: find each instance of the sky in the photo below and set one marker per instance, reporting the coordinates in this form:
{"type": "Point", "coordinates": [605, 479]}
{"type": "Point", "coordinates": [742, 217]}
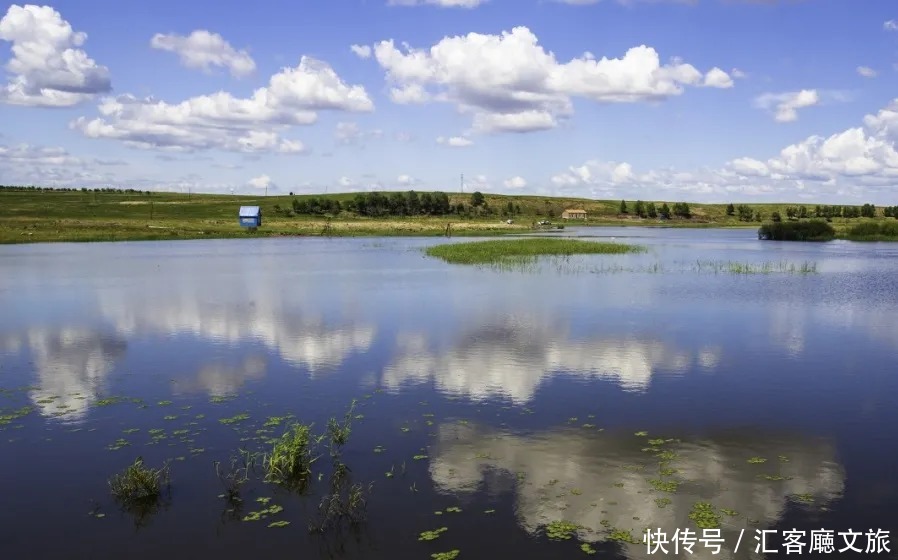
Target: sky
{"type": "Point", "coordinates": [679, 100]}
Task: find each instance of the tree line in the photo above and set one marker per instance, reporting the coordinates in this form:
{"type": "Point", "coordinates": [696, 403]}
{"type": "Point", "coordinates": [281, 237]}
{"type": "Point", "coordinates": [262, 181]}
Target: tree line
{"type": "Point", "coordinates": [649, 210]}
{"type": "Point", "coordinates": [73, 189]}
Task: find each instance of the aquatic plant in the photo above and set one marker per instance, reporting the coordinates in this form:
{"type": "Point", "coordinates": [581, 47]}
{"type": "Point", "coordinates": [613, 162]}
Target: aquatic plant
{"type": "Point", "coordinates": [587, 548]}
{"type": "Point", "coordinates": [339, 432]}
{"type": "Point", "coordinates": [621, 535]}
{"type": "Point", "coordinates": [522, 251]}
{"type": "Point", "coordinates": [451, 555]}
{"type": "Point", "coordinates": [812, 230]}
{"type": "Point", "coordinates": [561, 530]}
{"type": "Point", "coordinates": [236, 475]}
{"type": "Point", "coordinates": [290, 461]}
{"type": "Point", "coordinates": [339, 508]}
{"type": "Point", "coordinates": [704, 516]}
{"type": "Point", "coordinates": [139, 484]}
{"type": "Point", "coordinates": [432, 535]}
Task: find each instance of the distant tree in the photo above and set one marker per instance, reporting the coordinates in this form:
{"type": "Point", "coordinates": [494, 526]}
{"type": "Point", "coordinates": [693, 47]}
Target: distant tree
{"type": "Point", "coordinates": [730, 209]}
{"type": "Point", "coordinates": [802, 212]}
{"type": "Point", "coordinates": [651, 210]}
{"type": "Point", "coordinates": [758, 216]}
{"type": "Point", "coordinates": [291, 193]}
{"type": "Point", "coordinates": [477, 199]}
{"type": "Point", "coordinates": [776, 217]}
{"type": "Point", "coordinates": [623, 207]}
{"type": "Point", "coordinates": [509, 208]}
{"type": "Point", "coordinates": [426, 204]}
{"type": "Point", "coordinates": [640, 209]}
{"type": "Point", "coordinates": [517, 209]}
{"type": "Point", "coordinates": [681, 209]}
{"type": "Point", "coordinates": [664, 211]}
{"type": "Point", "coordinates": [746, 214]}
{"type": "Point", "coordinates": [791, 212]}
{"type": "Point", "coordinates": [868, 211]}
{"type": "Point", "coordinates": [412, 203]}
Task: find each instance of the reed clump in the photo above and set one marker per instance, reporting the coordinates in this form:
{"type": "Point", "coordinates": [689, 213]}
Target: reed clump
{"type": "Point", "coordinates": [140, 485]}
{"type": "Point", "coordinates": [519, 251]}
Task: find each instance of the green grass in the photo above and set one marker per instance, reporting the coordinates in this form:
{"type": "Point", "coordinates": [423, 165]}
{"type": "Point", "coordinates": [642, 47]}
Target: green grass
{"type": "Point", "coordinates": [522, 250]}
{"type": "Point", "coordinates": [291, 457]}
{"type": "Point", "coordinates": [874, 231]}
{"type": "Point", "coordinates": [139, 484]}
{"type": "Point", "coordinates": [47, 215]}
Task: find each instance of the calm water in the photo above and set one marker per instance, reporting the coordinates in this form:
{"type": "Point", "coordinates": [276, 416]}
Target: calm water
{"type": "Point", "coordinates": [611, 392]}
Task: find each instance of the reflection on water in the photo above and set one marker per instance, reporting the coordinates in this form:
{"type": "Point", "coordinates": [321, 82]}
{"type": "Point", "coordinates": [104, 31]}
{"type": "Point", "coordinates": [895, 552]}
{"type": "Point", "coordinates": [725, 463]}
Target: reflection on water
{"type": "Point", "coordinates": [256, 312]}
{"type": "Point", "coordinates": [221, 379]}
{"type": "Point", "coordinates": [512, 358]}
{"type": "Point", "coordinates": [70, 366]}
{"type": "Point", "coordinates": [602, 482]}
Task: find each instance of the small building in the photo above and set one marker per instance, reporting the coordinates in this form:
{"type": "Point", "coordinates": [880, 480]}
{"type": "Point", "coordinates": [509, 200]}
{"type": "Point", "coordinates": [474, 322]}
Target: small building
{"type": "Point", "coordinates": [250, 216]}
{"type": "Point", "coordinates": [573, 214]}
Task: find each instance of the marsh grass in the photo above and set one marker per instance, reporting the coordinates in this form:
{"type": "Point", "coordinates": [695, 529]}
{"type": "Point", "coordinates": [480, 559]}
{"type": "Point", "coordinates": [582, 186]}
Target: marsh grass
{"type": "Point", "coordinates": [290, 461]}
{"type": "Point", "coordinates": [141, 490]}
{"type": "Point", "coordinates": [518, 252]}
{"type": "Point", "coordinates": [236, 475]}
{"type": "Point", "coordinates": [778, 267]}
{"type": "Point", "coordinates": [339, 432]}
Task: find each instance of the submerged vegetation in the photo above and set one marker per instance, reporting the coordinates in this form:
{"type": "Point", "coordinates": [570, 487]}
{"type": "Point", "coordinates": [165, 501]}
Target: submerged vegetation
{"type": "Point", "coordinates": [522, 250]}
{"type": "Point", "coordinates": [780, 267]}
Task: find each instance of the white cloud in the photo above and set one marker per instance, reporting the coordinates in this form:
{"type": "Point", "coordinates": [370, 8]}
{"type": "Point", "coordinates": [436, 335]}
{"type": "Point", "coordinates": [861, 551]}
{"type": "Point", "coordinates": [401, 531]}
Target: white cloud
{"type": "Point", "coordinates": [847, 164]}
{"type": "Point", "coordinates": [406, 180]}
{"type": "Point", "coordinates": [891, 25]}
{"type": "Point", "coordinates": [867, 72]}
{"type": "Point", "coordinates": [260, 182]}
{"type": "Point", "coordinates": [361, 51]}
{"type": "Point", "coordinates": [517, 182]}
{"type": "Point", "coordinates": [47, 69]}
{"type": "Point", "coordinates": [738, 74]}
{"type": "Point", "coordinates": [203, 49]}
{"type": "Point", "coordinates": [785, 105]}
{"type": "Point", "coordinates": [350, 133]}
{"type": "Point", "coordinates": [440, 3]}
{"type": "Point", "coordinates": [292, 97]}
{"type": "Point", "coordinates": [718, 78]}
{"type": "Point", "coordinates": [454, 141]}
{"type": "Point", "coordinates": [509, 82]}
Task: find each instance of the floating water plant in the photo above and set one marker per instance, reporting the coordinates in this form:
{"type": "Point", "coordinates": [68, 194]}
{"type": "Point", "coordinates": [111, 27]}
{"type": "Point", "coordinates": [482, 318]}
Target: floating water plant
{"type": "Point", "coordinates": [234, 419]}
{"type": "Point", "coordinates": [669, 486]}
{"type": "Point", "coordinates": [757, 460]}
{"type": "Point", "coordinates": [622, 535]}
{"type": "Point", "coordinates": [704, 516]}
{"type": "Point", "coordinates": [561, 530]}
{"type": "Point", "coordinates": [587, 548]}
{"type": "Point", "coordinates": [451, 555]}
{"type": "Point", "coordinates": [432, 535]}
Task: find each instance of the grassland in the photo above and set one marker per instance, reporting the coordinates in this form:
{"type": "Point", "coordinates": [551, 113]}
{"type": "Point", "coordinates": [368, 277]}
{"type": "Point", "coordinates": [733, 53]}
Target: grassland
{"type": "Point", "coordinates": [47, 215]}
{"type": "Point", "coordinates": [522, 250]}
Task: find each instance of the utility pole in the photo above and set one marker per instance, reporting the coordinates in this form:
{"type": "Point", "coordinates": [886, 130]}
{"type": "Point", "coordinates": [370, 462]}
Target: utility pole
{"type": "Point", "coordinates": [462, 183]}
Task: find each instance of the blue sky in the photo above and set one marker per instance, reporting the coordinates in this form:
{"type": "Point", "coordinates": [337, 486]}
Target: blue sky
{"type": "Point", "coordinates": [704, 100]}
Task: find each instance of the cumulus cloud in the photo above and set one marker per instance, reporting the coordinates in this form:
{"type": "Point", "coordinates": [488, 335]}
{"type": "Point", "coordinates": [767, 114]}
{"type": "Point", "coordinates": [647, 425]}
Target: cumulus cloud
{"type": "Point", "coordinates": [785, 106]}
{"type": "Point", "coordinates": [361, 51]}
{"type": "Point", "coordinates": [26, 164]}
{"type": "Point", "coordinates": [891, 25]}
{"type": "Point", "coordinates": [203, 49]}
{"type": "Point", "coordinates": [454, 141]}
{"type": "Point", "coordinates": [510, 83]}
{"type": "Point", "coordinates": [440, 3]}
{"type": "Point", "coordinates": [220, 120]}
{"type": "Point", "coordinates": [47, 68]}
{"type": "Point", "coordinates": [262, 182]}
{"type": "Point", "coordinates": [846, 164]}
{"type": "Point", "coordinates": [516, 182]}
{"type": "Point", "coordinates": [867, 72]}
{"type": "Point", "coordinates": [406, 180]}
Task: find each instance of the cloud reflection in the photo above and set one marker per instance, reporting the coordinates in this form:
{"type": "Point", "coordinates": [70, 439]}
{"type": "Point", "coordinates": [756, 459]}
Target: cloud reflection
{"type": "Point", "coordinates": [598, 481]}
{"type": "Point", "coordinates": [71, 365]}
{"type": "Point", "coordinates": [512, 358]}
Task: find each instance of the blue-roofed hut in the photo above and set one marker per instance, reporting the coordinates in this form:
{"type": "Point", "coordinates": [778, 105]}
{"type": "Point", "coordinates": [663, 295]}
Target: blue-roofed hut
{"type": "Point", "coordinates": [250, 216]}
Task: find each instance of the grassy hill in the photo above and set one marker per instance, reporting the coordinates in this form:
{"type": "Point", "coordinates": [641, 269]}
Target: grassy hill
{"type": "Point", "coordinates": [30, 215]}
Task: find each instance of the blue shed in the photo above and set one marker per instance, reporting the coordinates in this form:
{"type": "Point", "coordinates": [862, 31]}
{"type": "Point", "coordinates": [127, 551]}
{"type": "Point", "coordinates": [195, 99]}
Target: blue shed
{"type": "Point", "coordinates": [250, 216]}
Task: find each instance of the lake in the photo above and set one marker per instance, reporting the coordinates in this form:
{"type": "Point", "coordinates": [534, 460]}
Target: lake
{"type": "Point", "coordinates": [714, 381]}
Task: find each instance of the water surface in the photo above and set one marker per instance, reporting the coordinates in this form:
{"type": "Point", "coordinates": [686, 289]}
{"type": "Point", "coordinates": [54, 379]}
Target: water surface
{"type": "Point", "coordinates": [613, 392]}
